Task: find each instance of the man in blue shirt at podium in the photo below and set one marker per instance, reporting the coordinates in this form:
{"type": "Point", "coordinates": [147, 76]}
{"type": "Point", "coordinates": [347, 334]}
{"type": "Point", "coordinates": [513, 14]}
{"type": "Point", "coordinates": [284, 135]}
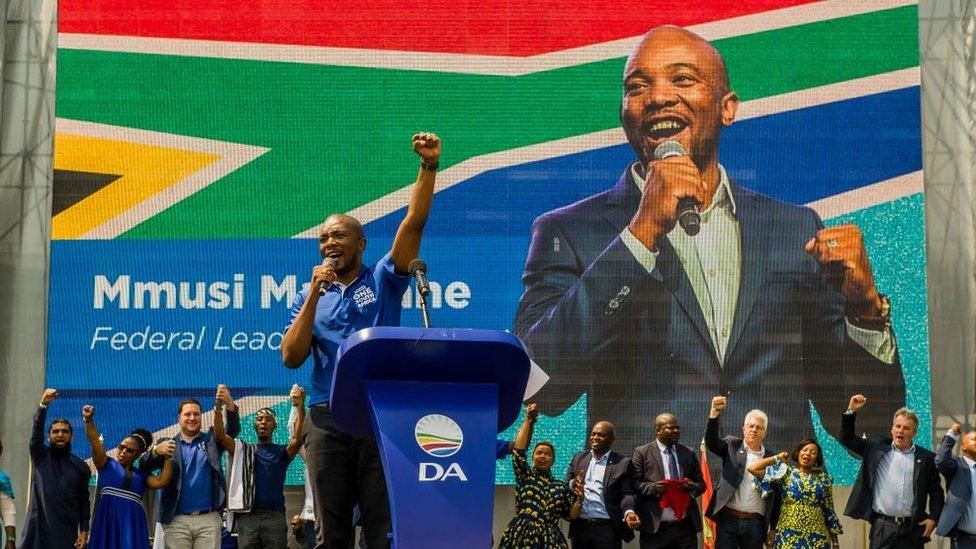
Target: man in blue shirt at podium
{"type": "Point", "coordinates": [344, 297]}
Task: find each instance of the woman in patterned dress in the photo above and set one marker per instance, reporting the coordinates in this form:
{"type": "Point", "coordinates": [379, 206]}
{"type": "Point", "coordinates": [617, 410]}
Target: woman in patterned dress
{"type": "Point", "coordinates": [540, 499]}
{"type": "Point", "coordinates": [120, 518]}
{"type": "Point", "coordinates": [807, 519]}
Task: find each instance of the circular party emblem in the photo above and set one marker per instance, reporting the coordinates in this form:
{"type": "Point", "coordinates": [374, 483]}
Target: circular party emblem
{"type": "Point", "coordinates": [438, 435]}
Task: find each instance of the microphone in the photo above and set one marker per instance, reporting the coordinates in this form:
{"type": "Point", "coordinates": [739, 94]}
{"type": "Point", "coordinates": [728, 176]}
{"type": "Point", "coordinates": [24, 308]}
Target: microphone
{"type": "Point", "coordinates": [687, 210]}
{"type": "Point", "coordinates": [418, 269]}
{"type": "Point", "coordinates": [327, 262]}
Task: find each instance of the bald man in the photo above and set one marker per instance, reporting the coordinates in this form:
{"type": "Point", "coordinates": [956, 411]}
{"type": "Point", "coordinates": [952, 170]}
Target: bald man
{"type": "Point", "coordinates": [604, 478]}
{"type": "Point", "coordinates": [345, 296]}
{"type": "Point", "coordinates": [764, 303]}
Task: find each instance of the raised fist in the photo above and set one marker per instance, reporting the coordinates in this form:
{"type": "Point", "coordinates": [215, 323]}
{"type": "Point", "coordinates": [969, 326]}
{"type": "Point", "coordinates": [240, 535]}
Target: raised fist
{"type": "Point", "coordinates": [857, 402]}
{"type": "Point", "coordinates": [297, 395]}
{"type": "Point", "coordinates": [718, 404]}
{"type": "Point", "coordinates": [48, 396]}
{"type": "Point", "coordinates": [956, 429]}
{"type": "Point", "coordinates": [87, 412]}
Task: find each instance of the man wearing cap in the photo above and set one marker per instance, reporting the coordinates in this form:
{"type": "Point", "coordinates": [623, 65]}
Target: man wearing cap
{"type": "Point", "coordinates": [260, 520]}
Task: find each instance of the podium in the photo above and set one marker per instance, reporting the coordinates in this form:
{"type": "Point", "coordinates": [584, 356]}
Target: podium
{"type": "Point", "coordinates": [434, 399]}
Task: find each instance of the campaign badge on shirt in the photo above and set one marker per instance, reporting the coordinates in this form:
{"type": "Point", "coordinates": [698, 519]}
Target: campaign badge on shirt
{"type": "Point", "coordinates": [363, 296]}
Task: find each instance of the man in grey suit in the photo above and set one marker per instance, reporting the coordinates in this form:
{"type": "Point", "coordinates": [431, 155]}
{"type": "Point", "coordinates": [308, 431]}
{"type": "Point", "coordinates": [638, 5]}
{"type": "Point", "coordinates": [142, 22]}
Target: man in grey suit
{"type": "Point", "coordinates": [958, 520]}
{"type": "Point", "coordinates": [743, 517]}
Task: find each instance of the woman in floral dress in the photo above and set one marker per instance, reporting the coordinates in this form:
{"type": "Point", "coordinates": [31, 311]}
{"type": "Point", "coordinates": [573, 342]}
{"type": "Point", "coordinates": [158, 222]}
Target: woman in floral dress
{"type": "Point", "coordinates": [540, 499]}
{"type": "Point", "coordinates": [807, 519]}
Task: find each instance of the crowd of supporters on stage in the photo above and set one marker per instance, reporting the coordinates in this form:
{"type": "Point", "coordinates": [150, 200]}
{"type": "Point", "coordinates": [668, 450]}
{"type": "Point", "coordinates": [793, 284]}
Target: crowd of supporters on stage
{"type": "Point", "coordinates": [659, 492]}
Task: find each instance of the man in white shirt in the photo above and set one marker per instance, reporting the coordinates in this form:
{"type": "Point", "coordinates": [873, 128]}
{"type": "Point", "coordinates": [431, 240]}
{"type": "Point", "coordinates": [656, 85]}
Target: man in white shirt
{"type": "Point", "coordinates": [742, 516]}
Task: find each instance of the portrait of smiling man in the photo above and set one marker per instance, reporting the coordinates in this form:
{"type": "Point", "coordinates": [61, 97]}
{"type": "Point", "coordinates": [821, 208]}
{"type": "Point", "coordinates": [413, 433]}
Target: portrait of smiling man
{"type": "Point", "coordinates": [764, 304]}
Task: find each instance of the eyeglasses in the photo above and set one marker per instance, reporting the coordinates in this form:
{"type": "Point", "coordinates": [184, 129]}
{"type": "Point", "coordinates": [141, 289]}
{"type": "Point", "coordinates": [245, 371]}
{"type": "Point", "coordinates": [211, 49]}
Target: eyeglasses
{"type": "Point", "coordinates": [123, 448]}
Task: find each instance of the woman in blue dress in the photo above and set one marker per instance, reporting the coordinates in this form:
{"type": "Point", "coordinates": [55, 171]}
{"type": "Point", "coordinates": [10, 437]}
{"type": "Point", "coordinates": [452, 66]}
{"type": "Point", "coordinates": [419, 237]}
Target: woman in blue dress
{"type": "Point", "coordinates": [120, 518]}
{"type": "Point", "coordinates": [807, 519]}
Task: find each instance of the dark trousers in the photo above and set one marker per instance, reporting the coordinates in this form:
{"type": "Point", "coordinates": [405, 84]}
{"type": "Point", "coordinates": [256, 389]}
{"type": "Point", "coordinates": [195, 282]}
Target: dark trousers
{"type": "Point", "coordinates": [594, 534]}
{"type": "Point", "coordinates": [671, 535]}
{"type": "Point", "coordinates": [345, 471]}
{"type": "Point", "coordinates": [735, 533]}
{"type": "Point", "coordinates": [963, 543]}
{"type": "Point", "coordinates": [886, 534]}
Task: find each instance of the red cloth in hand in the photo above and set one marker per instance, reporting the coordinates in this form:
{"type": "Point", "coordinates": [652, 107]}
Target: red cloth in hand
{"type": "Point", "coordinates": [675, 497]}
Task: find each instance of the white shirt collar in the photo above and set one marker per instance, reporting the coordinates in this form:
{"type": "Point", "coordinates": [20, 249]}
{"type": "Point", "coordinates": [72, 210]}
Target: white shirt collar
{"type": "Point", "coordinates": [723, 194]}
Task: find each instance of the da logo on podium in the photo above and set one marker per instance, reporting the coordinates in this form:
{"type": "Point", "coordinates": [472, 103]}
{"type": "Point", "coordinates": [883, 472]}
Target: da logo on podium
{"type": "Point", "coordinates": [441, 437]}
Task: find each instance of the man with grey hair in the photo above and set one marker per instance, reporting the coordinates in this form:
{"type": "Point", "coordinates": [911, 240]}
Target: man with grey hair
{"type": "Point", "coordinates": [897, 489]}
{"type": "Point", "coordinates": [743, 517]}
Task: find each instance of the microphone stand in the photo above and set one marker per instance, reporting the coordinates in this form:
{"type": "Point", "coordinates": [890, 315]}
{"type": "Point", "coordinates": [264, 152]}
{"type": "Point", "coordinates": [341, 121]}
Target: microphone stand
{"type": "Point", "coordinates": [423, 306]}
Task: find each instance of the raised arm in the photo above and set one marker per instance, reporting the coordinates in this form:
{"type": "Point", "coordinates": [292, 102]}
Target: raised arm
{"type": "Point", "coordinates": [298, 406]}
{"type": "Point", "coordinates": [524, 435]}
{"type": "Point", "coordinates": [848, 435]}
{"type": "Point", "coordinates": [713, 441]}
{"type": "Point", "coordinates": [758, 469]}
{"type": "Point", "coordinates": [37, 446]}
{"type": "Point", "coordinates": [155, 482]}
{"type": "Point", "coordinates": [944, 461]}
{"type": "Point", "coordinates": [406, 243]}
{"type": "Point", "coordinates": [222, 438]}
{"type": "Point", "coordinates": [94, 438]}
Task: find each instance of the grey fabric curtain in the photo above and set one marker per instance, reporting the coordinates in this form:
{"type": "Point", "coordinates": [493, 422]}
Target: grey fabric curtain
{"type": "Point", "coordinates": [27, 63]}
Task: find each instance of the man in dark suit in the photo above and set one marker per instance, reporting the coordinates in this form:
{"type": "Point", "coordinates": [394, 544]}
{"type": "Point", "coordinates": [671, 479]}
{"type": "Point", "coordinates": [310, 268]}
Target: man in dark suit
{"type": "Point", "coordinates": [668, 471]}
{"type": "Point", "coordinates": [958, 519]}
{"type": "Point", "coordinates": [604, 478]}
{"type": "Point", "coordinates": [743, 517]}
{"type": "Point", "coordinates": [897, 489]}
{"type": "Point", "coordinates": [624, 306]}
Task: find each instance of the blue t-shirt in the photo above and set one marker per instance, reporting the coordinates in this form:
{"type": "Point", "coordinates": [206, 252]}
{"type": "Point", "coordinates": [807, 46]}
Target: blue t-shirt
{"type": "Point", "coordinates": [196, 488]}
{"type": "Point", "coordinates": [373, 299]}
{"type": "Point", "coordinates": [270, 464]}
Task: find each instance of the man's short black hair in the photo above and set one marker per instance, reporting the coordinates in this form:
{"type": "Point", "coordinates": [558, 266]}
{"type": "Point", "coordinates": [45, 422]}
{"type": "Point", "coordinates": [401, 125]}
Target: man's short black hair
{"type": "Point", "coordinates": [188, 400]}
{"type": "Point", "coordinates": [60, 420]}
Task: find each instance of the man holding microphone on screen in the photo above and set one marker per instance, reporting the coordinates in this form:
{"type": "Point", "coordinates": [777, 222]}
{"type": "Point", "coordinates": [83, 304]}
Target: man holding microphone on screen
{"type": "Point", "coordinates": [346, 296]}
{"type": "Point", "coordinates": [637, 309]}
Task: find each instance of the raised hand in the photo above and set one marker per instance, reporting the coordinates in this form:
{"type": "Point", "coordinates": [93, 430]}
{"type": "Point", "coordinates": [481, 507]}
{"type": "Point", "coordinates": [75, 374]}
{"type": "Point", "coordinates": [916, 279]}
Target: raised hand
{"type": "Point", "coordinates": [223, 396]}
{"type": "Point", "coordinates": [840, 250]}
{"type": "Point", "coordinates": [48, 396]}
{"type": "Point", "coordinates": [718, 404]}
{"type": "Point", "coordinates": [532, 411]}
{"type": "Point", "coordinates": [956, 429]}
{"type": "Point", "coordinates": [87, 412]}
{"type": "Point", "coordinates": [428, 146]}
{"type": "Point", "coordinates": [297, 395]}
{"type": "Point", "coordinates": [857, 402]}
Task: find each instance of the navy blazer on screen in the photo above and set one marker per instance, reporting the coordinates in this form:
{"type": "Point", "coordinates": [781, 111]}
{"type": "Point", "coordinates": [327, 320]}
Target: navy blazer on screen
{"type": "Point", "coordinates": [733, 454]}
{"type": "Point", "coordinates": [618, 489]}
{"type": "Point", "coordinates": [959, 488]}
{"type": "Point", "coordinates": [928, 496]}
{"type": "Point", "coordinates": [637, 344]}
{"type": "Point", "coordinates": [648, 468]}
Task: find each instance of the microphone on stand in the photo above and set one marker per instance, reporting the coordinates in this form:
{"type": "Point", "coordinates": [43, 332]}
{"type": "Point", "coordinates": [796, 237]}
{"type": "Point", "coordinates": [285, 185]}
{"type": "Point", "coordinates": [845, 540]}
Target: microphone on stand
{"type": "Point", "coordinates": [687, 211]}
{"type": "Point", "coordinates": [418, 269]}
{"type": "Point", "coordinates": [327, 262]}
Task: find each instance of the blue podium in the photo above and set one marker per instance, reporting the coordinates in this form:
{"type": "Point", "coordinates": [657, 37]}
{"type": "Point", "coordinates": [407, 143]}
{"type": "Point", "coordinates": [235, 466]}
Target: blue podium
{"type": "Point", "coordinates": [434, 400]}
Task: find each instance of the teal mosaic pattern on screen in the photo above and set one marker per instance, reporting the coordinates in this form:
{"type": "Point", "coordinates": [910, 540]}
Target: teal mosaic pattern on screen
{"type": "Point", "coordinates": [894, 234]}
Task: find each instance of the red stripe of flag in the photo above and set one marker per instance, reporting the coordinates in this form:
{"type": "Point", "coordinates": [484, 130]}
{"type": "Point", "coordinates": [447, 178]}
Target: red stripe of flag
{"type": "Point", "coordinates": [501, 27]}
{"type": "Point", "coordinates": [708, 526]}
